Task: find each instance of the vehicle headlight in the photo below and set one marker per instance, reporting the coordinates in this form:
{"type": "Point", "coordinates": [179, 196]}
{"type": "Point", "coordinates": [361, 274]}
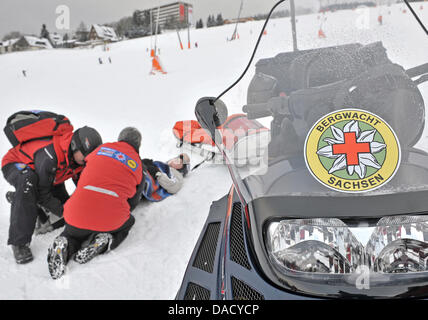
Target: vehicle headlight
{"type": "Point", "coordinates": [314, 245]}
{"type": "Point", "coordinates": [399, 244]}
{"type": "Point", "coordinates": [396, 245]}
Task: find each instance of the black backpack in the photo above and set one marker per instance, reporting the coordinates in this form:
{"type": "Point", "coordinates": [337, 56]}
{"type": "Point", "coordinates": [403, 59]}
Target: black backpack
{"type": "Point", "coordinates": [317, 82]}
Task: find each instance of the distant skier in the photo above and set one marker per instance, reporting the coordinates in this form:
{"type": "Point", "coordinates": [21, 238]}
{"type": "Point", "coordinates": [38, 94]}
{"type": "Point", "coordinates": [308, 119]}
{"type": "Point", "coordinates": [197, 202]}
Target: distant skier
{"type": "Point", "coordinates": [34, 171]}
{"type": "Point", "coordinates": [164, 179]}
{"type": "Point", "coordinates": [24, 73]}
{"type": "Point", "coordinates": [100, 61]}
{"type": "Point", "coordinates": [99, 211]}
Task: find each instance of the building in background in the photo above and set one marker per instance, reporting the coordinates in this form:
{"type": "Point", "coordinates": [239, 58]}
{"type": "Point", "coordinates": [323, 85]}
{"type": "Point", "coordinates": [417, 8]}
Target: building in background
{"type": "Point", "coordinates": [102, 34]}
{"type": "Point", "coordinates": [7, 46]}
{"type": "Point", "coordinates": [180, 12]}
{"type": "Point", "coordinates": [26, 43]}
{"type": "Point", "coordinates": [57, 39]}
{"type": "Point", "coordinates": [241, 20]}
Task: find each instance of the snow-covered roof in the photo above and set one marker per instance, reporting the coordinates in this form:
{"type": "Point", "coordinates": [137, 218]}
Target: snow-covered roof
{"type": "Point", "coordinates": [8, 43]}
{"type": "Point", "coordinates": [38, 42]}
{"type": "Point", "coordinates": [104, 32]}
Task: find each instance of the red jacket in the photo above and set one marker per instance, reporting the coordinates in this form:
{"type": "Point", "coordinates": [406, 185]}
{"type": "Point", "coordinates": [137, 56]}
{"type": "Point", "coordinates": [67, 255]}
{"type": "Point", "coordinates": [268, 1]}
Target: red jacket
{"type": "Point", "coordinates": [26, 153]}
{"type": "Point", "coordinates": [51, 161]}
{"type": "Point", "coordinates": [111, 177]}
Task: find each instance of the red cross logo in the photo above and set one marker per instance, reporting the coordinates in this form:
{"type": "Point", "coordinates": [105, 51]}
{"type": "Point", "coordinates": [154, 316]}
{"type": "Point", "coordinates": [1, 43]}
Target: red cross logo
{"type": "Point", "coordinates": [351, 148]}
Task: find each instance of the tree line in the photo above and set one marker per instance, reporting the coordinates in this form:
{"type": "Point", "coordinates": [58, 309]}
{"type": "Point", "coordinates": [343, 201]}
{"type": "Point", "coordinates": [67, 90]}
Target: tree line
{"type": "Point", "coordinates": [212, 21]}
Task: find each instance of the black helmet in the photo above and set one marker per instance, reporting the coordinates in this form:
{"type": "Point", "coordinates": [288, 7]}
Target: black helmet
{"type": "Point", "coordinates": [85, 140]}
{"type": "Point", "coordinates": [131, 136]}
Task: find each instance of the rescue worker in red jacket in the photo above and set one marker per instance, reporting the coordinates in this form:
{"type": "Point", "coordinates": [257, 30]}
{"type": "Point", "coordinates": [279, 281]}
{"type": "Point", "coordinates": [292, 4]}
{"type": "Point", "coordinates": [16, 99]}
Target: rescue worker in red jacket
{"type": "Point", "coordinates": [99, 211]}
{"type": "Point", "coordinates": [38, 178]}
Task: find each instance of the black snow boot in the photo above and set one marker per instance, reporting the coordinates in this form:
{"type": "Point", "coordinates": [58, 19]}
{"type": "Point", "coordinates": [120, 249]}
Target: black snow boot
{"type": "Point", "coordinates": [22, 253]}
{"type": "Point", "coordinates": [10, 196]}
{"type": "Point", "coordinates": [58, 257]}
{"type": "Point", "coordinates": [99, 245]}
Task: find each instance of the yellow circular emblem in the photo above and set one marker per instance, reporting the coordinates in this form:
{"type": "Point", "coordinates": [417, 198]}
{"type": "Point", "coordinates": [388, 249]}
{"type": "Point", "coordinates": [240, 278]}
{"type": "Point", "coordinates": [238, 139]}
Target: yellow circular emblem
{"type": "Point", "coordinates": [132, 164]}
{"type": "Point", "coordinates": [353, 151]}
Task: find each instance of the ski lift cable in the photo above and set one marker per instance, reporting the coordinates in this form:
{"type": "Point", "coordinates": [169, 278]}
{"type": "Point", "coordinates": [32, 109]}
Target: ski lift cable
{"type": "Point", "coordinates": [254, 52]}
{"type": "Point", "coordinates": [416, 16]}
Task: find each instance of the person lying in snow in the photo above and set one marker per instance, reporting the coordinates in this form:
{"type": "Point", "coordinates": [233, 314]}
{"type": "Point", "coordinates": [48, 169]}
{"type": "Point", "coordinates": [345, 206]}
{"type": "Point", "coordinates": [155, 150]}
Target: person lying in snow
{"type": "Point", "coordinates": [98, 214]}
{"type": "Point", "coordinates": [164, 179]}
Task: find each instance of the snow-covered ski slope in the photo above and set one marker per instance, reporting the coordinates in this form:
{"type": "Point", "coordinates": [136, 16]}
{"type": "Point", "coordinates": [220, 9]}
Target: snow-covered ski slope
{"type": "Point", "coordinates": [152, 261]}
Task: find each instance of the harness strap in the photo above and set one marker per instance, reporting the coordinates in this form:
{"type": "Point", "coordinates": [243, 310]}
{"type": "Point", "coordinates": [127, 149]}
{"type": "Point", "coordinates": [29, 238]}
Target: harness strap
{"type": "Point", "coordinates": [60, 154]}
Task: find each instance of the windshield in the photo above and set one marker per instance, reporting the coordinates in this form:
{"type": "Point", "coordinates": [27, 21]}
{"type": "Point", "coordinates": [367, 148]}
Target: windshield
{"type": "Point", "coordinates": [337, 109]}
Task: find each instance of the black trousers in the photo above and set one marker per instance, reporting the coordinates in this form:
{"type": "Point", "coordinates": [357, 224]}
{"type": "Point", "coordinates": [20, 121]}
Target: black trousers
{"type": "Point", "coordinates": [24, 210]}
{"type": "Point", "coordinates": [76, 237]}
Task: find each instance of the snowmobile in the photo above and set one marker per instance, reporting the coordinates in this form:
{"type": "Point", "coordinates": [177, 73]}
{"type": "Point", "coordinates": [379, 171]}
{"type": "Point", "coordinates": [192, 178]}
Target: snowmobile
{"type": "Point", "coordinates": [338, 206]}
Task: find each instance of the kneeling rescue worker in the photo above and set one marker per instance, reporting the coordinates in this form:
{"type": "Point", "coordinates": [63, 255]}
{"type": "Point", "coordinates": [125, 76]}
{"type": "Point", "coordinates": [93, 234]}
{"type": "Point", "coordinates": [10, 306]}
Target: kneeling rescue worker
{"type": "Point", "coordinates": [98, 214]}
{"type": "Point", "coordinates": [38, 168]}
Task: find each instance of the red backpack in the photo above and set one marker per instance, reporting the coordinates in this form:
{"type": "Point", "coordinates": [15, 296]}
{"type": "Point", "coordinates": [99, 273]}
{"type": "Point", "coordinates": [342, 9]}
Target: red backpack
{"type": "Point", "coordinates": [26, 126]}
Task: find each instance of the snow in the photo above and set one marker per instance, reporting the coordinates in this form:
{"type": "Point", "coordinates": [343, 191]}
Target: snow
{"type": "Point", "coordinates": [150, 264]}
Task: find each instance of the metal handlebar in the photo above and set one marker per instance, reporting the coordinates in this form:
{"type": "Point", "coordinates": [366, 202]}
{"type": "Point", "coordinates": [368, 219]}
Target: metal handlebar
{"type": "Point", "coordinates": [275, 106]}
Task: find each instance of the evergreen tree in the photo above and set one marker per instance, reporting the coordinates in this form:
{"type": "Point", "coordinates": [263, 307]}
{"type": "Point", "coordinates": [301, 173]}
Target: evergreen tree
{"type": "Point", "coordinates": [211, 21]}
{"type": "Point", "coordinates": [136, 17]}
{"type": "Point", "coordinates": [44, 34]}
{"type": "Point", "coordinates": [219, 20]}
{"type": "Point", "coordinates": [200, 24]}
{"type": "Point", "coordinates": [124, 25]}
{"type": "Point", "coordinates": [82, 32]}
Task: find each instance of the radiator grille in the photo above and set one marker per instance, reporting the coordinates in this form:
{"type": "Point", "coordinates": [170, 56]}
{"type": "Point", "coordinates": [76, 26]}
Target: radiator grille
{"type": "Point", "coordinates": [195, 292]}
{"type": "Point", "coordinates": [238, 252]}
{"type": "Point", "coordinates": [242, 291]}
{"type": "Point", "coordinates": [206, 253]}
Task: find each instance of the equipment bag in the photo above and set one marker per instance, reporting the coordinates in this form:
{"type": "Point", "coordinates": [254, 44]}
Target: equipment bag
{"type": "Point", "coordinates": [236, 127]}
{"type": "Point", "coordinates": [292, 71]}
{"type": "Point", "coordinates": [26, 126]}
{"type": "Point", "coordinates": [191, 132]}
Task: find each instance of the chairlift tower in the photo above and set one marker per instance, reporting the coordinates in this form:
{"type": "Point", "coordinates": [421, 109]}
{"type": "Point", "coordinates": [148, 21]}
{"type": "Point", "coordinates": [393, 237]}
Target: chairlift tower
{"type": "Point", "coordinates": [293, 24]}
{"type": "Point", "coordinates": [235, 33]}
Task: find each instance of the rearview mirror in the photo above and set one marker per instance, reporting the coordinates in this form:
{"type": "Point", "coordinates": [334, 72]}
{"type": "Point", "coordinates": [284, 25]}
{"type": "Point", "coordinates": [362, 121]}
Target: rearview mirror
{"type": "Point", "coordinates": [211, 115]}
